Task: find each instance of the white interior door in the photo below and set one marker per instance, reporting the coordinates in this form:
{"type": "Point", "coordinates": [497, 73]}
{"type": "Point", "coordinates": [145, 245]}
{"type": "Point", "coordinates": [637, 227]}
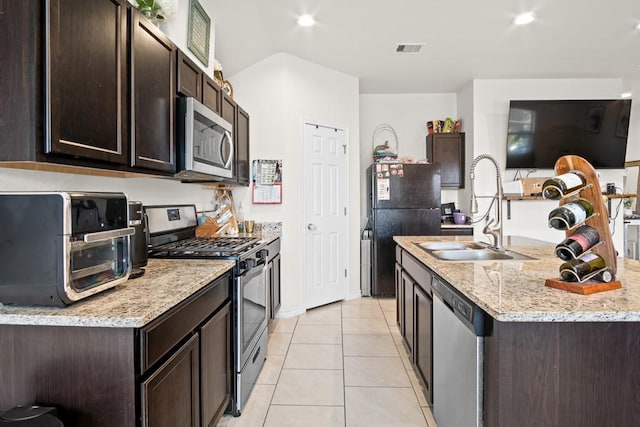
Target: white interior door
{"type": "Point", "coordinates": [325, 215]}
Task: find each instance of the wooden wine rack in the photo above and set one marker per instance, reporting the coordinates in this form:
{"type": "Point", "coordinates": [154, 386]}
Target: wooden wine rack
{"type": "Point", "coordinates": [599, 220]}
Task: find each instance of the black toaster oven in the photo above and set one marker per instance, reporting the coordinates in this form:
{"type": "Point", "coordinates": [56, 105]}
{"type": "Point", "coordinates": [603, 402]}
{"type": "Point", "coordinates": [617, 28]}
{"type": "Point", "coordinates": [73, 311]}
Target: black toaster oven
{"type": "Point", "coordinates": [59, 247]}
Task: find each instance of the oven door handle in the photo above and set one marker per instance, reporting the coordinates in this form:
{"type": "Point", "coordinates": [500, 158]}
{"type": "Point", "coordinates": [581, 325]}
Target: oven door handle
{"type": "Point", "coordinates": [260, 263]}
{"type": "Point", "coordinates": [108, 235]}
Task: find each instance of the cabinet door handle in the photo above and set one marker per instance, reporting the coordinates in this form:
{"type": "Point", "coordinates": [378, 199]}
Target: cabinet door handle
{"type": "Point", "coordinates": [311, 227]}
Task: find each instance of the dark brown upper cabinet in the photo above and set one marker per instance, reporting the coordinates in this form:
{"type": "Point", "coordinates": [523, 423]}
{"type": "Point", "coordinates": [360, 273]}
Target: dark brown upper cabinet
{"type": "Point", "coordinates": [448, 150]}
{"type": "Point", "coordinates": [194, 82]}
{"type": "Point", "coordinates": [211, 93]}
{"type": "Point", "coordinates": [189, 77]}
{"type": "Point", "coordinates": [243, 168]}
{"type": "Point", "coordinates": [228, 111]}
{"type": "Point", "coordinates": [64, 81]}
{"type": "Point", "coordinates": [153, 97]}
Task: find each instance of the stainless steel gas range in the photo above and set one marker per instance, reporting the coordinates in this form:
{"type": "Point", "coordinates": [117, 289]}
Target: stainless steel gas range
{"type": "Point", "coordinates": [172, 235]}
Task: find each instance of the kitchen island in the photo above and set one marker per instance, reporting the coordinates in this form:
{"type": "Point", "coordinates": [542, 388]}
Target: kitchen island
{"type": "Point", "coordinates": [155, 350]}
{"type": "Point", "coordinates": [550, 357]}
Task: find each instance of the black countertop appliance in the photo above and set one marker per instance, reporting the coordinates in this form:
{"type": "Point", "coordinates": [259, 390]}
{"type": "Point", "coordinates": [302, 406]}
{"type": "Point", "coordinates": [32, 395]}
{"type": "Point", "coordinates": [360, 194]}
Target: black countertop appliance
{"type": "Point", "coordinates": [59, 247]}
{"type": "Point", "coordinates": [140, 239]}
{"type": "Point", "coordinates": [404, 200]}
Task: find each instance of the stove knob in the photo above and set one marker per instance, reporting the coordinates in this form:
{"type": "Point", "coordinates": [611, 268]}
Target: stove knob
{"type": "Point", "coordinates": [242, 265]}
{"type": "Point", "coordinates": [250, 263]}
{"type": "Point", "coordinates": [262, 253]}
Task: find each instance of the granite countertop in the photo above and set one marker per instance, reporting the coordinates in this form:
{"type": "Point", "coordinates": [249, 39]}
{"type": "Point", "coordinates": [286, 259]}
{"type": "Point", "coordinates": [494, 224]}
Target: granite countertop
{"type": "Point", "coordinates": [514, 291]}
{"type": "Point", "coordinates": [133, 304]}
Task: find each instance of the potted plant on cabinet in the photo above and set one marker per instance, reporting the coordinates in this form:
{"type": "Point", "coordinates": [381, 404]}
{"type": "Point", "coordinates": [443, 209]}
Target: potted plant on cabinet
{"type": "Point", "coordinates": [154, 10]}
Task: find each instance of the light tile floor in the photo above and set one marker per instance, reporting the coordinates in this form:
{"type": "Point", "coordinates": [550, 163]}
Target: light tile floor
{"type": "Point", "coordinates": [343, 364]}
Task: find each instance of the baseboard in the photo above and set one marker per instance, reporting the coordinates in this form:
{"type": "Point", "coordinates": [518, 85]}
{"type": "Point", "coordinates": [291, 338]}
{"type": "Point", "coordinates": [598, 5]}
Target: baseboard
{"type": "Point", "coordinates": [354, 295]}
{"type": "Point", "coordinates": [286, 314]}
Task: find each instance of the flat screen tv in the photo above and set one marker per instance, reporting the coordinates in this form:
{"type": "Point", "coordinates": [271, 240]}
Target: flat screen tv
{"type": "Point", "coordinates": [539, 132]}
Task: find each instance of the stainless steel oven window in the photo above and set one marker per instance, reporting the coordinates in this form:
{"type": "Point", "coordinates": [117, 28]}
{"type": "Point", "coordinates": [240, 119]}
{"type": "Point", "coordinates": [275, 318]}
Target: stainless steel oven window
{"type": "Point", "coordinates": [254, 305]}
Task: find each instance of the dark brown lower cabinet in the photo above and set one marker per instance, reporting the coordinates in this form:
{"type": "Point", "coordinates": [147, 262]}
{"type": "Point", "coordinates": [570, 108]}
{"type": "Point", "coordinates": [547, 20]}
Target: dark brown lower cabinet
{"type": "Point", "coordinates": [174, 371]}
{"type": "Point", "coordinates": [273, 268]}
{"type": "Point", "coordinates": [414, 315]}
{"type": "Point", "coordinates": [215, 365]}
{"type": "Point", "coordinates": [407, 285]}
{"type": "Point", "coordinates": [170, 396]}
{"type": "Point", "coordinates": [399, 295]}
{"type": "Point", "coordinates": [87, 373]}
{"type": "Point", "coordinates": [456, 231]}
{"type": "Point", "coordinates": [558, 374]}
{"type": "Point", "coordinates": [273, 276]}
{"type": "Point", "coordinates": [423, 349]}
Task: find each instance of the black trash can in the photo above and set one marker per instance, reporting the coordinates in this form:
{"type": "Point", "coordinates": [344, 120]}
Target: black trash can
{"type": "Point", "coordinates": [30, 416]}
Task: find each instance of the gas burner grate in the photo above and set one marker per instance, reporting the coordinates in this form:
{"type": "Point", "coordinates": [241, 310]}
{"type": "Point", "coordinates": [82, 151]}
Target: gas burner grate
{"type": "Point", "coordinates": [210, 244]}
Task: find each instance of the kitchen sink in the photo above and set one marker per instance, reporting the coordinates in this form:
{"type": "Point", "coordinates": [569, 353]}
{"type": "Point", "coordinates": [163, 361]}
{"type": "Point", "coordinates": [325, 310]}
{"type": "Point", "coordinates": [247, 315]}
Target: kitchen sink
{"type": "Point", "coordinates": [468, 251]}
{"type": "Point", "coordinates": [476, 255]}
{"type": "Point", "coordinates": [450, 246]}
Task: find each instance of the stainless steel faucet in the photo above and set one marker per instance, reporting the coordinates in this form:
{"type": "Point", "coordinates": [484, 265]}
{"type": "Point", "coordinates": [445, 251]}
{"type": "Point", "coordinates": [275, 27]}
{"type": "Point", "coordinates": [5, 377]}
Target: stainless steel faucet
{"type": "Point", "coordinates": [493, 228]}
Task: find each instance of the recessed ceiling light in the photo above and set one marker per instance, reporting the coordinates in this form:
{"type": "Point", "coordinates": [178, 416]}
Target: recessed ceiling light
{"type": "Point", "coordinates": [625, 95]}
{"type": "Point", "coordinates": [306, 21]}
{"type": "Point", "coordinates": [638, 26]}
{"type": "Point", "coordinates": [524, 18]}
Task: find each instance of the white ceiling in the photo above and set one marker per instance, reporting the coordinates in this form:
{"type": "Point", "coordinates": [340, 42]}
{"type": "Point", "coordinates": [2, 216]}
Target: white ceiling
{"type": "Point", "coordinates": [464, 39]}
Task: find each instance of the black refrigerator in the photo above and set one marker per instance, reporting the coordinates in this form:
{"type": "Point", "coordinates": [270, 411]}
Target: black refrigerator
{"type": "Point", "coordinates": [403, 200]}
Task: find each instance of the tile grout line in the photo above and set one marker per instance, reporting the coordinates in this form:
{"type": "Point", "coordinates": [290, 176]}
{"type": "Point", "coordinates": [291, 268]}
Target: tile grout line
{"type": "Point", "coordinates": [415, 392]}
{"type": "Point", "coordinates": [264, 421]}
{"type": "Point", "coordinates": [344, 379]}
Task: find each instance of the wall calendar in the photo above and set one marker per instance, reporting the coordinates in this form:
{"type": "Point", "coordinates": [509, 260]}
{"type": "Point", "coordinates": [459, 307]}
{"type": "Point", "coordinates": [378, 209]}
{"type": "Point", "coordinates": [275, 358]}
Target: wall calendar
{"type": "Point", "coordinates": [267, 182]}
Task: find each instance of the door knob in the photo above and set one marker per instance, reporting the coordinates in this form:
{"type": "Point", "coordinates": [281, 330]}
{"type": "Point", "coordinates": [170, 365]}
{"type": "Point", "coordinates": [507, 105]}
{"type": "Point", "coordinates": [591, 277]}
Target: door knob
{"type": "Point", "coordinates": [311, 227]}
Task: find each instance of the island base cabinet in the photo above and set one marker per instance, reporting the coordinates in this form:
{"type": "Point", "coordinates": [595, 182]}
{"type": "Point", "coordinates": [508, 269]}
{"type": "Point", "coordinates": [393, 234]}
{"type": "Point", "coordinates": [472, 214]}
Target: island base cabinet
{"type": "Point", "coordinates": [562, 374]}
{"type": "Point", "coordinates": [407, 294]}
{"type": "Point", "coordinates": [399, 296]}
{"type": "Point", "coordinates": [170, 395]}
{"type": "Point", "coordinates": [423, 339]}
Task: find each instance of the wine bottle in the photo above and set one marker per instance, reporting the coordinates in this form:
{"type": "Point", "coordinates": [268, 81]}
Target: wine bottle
{"type": "Point", "coordinates": [580, 241]}
{"type": "Point", "coordinates": [577, 269]}
{"type": "Point", "coordinates": [557, 187]}
{"type": "Point", "coordinates": [568, 215]}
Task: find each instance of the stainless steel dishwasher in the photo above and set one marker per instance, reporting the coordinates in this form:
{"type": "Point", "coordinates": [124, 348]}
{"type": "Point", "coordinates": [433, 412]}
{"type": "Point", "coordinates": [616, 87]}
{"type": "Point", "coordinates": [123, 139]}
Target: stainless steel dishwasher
{"type": "Point", "coordinates": [458, 329]}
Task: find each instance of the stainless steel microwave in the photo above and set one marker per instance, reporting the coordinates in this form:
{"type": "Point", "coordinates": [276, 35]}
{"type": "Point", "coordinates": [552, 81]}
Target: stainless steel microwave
{"type": "Point", "coordinates": [205, 142]}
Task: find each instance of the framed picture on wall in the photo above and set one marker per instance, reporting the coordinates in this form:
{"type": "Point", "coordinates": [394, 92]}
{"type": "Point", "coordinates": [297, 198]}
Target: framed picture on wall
{"type": "Point", "coordinates": [199, 31]}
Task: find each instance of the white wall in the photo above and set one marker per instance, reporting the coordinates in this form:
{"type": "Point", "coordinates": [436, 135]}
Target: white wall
{"type": "Point", "coordinates": [176, 27]}
{"type": "Point", "coordinates": [490, 116]}
{"type": "Point", "coordinates": [465, 113]}
{"type": "Point", "coordinates": [150, 191]}
{"type": "Point", "coordinates": [280, 93]}
{"type": "Point", "coordinates": [408, 114]}
{"type": "Point", "coordinates": [633, 143]}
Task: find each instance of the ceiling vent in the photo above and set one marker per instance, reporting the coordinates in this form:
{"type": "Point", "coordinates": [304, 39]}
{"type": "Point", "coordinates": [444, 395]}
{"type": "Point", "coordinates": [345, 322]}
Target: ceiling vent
{"type": "Point", "coordinates": [409, 47]}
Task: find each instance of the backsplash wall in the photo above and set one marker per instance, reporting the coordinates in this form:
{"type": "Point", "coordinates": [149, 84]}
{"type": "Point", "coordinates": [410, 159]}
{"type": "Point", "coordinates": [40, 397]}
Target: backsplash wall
{"type": "Point", "coordinates": [150, 191]}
